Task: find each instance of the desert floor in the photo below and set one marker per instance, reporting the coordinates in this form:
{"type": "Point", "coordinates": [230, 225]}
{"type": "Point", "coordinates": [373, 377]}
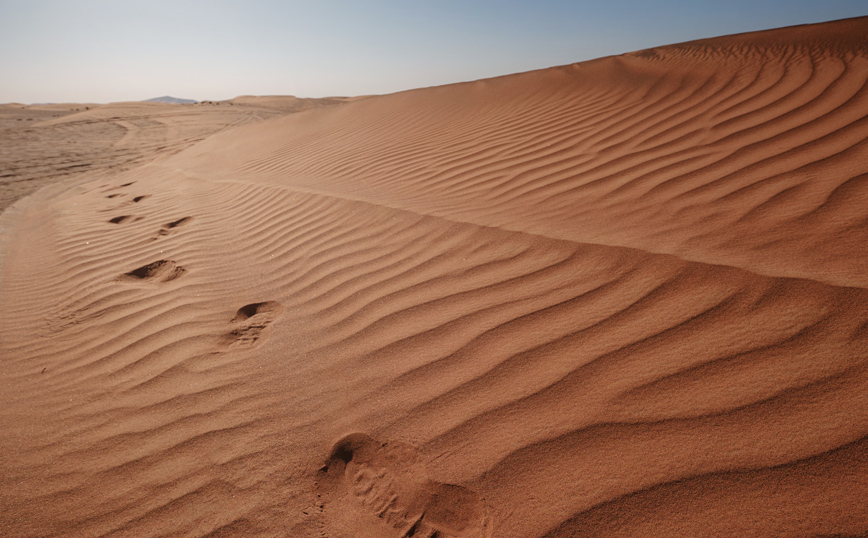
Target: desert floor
{"type": "Point", "coordinates": [620, 298]}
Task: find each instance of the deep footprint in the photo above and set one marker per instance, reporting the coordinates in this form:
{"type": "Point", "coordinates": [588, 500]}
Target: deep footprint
{"type": "Point", "coordinates": [168, 228]}
{"type": "Point", "coordinates": [159, 271]}
{"type": "Point", "coordinates": [121, 219]}
{"type": "Point", "coordinates": [250, 323]}
{"type": "Point", "coordinates": [388, 481]}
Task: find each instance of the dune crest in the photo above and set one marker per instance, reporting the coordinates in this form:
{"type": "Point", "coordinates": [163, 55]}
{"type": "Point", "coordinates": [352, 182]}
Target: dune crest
{"type": "Point", "coordinates": [625, 297]}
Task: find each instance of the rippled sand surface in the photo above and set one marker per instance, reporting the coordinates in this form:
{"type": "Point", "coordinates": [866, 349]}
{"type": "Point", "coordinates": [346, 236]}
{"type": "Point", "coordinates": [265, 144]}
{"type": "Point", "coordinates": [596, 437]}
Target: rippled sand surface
{"type": "Point", "coordinates": [625, 297]}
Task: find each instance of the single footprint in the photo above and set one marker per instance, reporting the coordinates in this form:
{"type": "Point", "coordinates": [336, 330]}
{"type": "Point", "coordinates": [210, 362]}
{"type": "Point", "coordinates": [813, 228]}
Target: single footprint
{"type": "Point", "coordinates": [250, 323]}
{"type": "Point", "coordinates": [168, 228]}
{"type": "Point", "coordinates": [383, 489]}
{"type": "Point", "coordinates": [158, 271]}
{"type": "Point", "coordinates": [122, 219]}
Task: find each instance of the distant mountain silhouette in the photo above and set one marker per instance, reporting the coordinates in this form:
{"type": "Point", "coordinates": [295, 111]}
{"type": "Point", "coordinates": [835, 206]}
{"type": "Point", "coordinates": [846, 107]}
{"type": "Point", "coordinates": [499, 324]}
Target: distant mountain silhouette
{"type": "Point", "coordinates": [171, 100]}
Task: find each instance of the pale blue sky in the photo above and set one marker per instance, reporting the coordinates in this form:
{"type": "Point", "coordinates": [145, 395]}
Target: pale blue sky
{"type": "Point", "coordinates": [104, 50]}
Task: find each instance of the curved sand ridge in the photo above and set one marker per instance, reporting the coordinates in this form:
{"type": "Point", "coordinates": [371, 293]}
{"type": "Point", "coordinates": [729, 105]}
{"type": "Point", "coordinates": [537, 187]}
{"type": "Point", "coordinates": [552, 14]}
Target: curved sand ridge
{"type": "Point", "coordinates": [621, 298]}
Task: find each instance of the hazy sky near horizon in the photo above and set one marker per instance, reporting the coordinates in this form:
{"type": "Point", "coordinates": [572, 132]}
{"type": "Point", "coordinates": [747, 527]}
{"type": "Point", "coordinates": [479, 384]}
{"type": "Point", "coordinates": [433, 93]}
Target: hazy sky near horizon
{"type": "Point", "coordinates": [116, 50]}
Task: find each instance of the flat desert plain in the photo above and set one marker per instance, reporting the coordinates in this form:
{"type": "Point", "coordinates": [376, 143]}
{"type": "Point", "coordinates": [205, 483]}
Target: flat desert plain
{"type": "Point", "coordinates": [622, 298]}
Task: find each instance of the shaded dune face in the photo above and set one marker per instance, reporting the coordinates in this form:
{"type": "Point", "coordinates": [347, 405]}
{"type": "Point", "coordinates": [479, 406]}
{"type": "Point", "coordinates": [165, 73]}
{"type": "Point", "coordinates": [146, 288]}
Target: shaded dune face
{"type": "Point", "coordinates": [624, 298]}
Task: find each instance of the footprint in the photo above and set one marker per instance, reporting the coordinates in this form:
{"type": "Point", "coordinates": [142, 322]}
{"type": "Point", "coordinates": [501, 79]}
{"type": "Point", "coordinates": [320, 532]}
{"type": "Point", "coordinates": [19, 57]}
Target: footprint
{"type": "Point", "coordinates": [159, 271]}
{"type": "Point", "coordinates": [382, 489]}
{"type": "Point", "coordinates": [250, 323]}
{"type": "Point", "coordinates": [138, 199]}
{"type": "Point", "coordinates": [167, 228]}
{"type": "Point", "coordinates": [122, 219]}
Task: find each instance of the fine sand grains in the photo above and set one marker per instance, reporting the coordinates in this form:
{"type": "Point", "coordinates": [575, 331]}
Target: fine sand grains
{"type": "Point", "coordinates": [621, 298]}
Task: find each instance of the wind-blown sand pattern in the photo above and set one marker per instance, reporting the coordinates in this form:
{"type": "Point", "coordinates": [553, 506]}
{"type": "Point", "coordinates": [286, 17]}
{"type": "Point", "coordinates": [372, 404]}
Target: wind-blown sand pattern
{"type": "Point", "coordinates": [625, 297]}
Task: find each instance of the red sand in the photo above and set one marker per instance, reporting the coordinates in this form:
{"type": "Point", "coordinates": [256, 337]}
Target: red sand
{"type": "Point", "coordinates": [625, 297]}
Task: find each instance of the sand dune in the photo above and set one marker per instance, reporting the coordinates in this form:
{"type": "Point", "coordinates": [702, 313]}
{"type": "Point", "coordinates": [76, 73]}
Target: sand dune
{"type": "Point", "coordinates": [625, 297]}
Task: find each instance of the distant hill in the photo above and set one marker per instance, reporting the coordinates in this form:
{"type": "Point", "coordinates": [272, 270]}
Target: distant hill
{"type": "Point", "coordinates": [171, 100]}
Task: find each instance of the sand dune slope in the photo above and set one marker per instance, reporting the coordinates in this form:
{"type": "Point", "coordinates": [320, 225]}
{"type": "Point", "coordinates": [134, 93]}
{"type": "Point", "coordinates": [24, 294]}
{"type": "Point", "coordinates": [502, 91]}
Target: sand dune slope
{"type": "Point", "coordinates": [746, 151]}
{"type": "Point", "coordinates": [621, 298]}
